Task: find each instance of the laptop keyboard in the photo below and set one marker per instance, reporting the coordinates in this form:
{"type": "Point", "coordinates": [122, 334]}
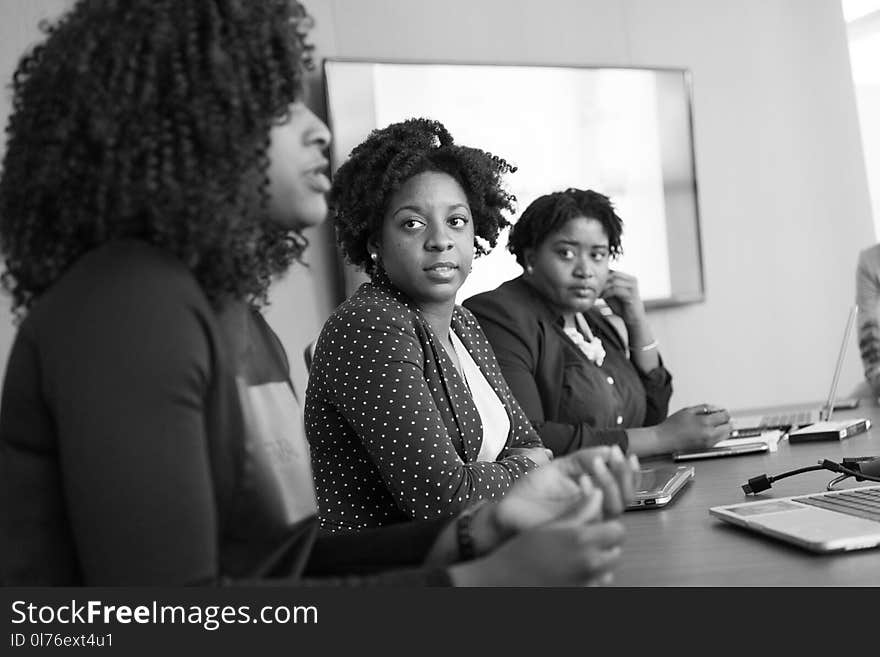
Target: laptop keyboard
{"type": "Point", "coordinates": [788, 419]}
{"type": "Point", "coordinates": [860, 503]}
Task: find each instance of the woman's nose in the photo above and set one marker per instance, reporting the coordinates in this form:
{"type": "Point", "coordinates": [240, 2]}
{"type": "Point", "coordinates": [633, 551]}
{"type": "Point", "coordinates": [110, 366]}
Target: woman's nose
{"type": "Point", "coordinates": [438, 239]}
{"type": "Point", "coordinates": [318, 133]}
{"type": "Point", "coordinates": [584, 268]}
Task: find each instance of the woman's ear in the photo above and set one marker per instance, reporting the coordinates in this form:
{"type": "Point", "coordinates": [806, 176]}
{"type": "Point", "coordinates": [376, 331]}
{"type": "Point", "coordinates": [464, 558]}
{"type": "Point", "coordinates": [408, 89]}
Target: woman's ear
{"type": "Point", "coordinates": [529, 260]}
{"type": "Point", "coordinates": [373, 248]}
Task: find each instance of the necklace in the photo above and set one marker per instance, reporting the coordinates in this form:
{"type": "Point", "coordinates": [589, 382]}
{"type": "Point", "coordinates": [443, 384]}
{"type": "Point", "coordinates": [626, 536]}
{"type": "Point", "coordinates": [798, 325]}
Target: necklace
{"type": "Point", "coordinates": [589, 344]}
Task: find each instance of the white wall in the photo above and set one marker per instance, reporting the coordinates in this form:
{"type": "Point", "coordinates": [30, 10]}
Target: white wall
{"type": "Point", "coordinates": [18, 31]}
{"type": "Point", "coordinates": [783, 195]}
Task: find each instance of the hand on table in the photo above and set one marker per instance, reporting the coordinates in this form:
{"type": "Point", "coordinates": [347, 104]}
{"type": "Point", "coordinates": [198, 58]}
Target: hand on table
{"type": "Point", "coordinates": [695, 427]}
{"type": "Point", "coordinates": [576, 548]}
{"type": "Point", "coordinates": [553, 490]}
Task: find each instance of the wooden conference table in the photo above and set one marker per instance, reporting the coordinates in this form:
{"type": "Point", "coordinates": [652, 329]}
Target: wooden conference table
{"type": "Point", "coordinates": [682, 545]}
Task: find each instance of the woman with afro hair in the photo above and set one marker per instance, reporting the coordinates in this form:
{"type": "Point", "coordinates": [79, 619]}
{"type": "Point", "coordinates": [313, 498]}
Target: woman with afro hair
{"type": "Point", "coordinates": [407, 413]}
{"type": "Point", "coordinates": [160, 166]}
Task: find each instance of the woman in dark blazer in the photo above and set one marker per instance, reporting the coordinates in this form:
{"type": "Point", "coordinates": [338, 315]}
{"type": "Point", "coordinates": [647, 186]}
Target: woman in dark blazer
{"type": "Point", "coordinates": [407, 413]}
{"type": "Point", "coordinates": [576, 378]}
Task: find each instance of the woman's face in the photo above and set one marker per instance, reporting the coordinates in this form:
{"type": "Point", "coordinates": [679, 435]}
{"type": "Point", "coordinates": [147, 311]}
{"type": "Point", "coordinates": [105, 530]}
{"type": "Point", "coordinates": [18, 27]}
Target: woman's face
{"type": "Point", "coordinates": [298, 181]}
{"type": "Point", "coordinates": [427, 240]}
{"type": "Point", "coordinates": [570, 267]}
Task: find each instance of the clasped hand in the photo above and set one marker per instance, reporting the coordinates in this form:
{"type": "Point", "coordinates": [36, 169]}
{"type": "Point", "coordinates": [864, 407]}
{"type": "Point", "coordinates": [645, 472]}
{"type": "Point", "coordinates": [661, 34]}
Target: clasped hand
{"type": "Point", "coordinates": [559, 524]}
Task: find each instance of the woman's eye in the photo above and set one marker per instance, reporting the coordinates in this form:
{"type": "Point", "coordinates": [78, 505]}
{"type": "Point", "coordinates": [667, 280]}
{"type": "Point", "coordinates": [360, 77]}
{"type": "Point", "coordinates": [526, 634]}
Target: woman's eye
{"type": "Point", "coordinates": [599, 256]}
{"type": "Point", "coordinates": [565, 254]}
{"type": "Point", "coordinates": [412, 223]}
{"type": "Point", "coordinates": [457, 222]}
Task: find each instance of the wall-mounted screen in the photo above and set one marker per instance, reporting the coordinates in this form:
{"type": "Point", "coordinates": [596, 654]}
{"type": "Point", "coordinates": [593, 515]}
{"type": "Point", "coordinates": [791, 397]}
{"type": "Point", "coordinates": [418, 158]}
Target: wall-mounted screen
{"type": "Point", "coordinates": [624, 132]}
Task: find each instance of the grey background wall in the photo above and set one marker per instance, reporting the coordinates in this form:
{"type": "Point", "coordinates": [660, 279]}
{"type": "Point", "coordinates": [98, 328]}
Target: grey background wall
{"type": "Point", "coordinates": [783, 195]}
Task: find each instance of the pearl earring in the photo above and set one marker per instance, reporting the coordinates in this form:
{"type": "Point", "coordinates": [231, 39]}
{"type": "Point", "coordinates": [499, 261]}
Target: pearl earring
{"type": "Point", "coordinates": [374, 257]}
{"type": "Point", "coordinates": [530, 270]}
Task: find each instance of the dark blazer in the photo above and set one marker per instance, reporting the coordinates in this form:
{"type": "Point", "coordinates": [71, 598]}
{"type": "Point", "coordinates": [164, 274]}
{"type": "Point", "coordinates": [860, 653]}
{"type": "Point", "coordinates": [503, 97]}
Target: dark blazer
{"type": "Point", "coordinates": [571, 401]}
{"type": "Point", "coordinates": [393, 430]}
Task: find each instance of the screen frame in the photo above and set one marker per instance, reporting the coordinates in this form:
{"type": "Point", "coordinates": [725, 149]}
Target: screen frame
{"type": "Point", "coordinates": [674, 299]}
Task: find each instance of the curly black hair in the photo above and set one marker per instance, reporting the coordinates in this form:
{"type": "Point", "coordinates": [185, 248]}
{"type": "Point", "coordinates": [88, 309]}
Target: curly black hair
{"type": "Point", "coordinates": [551, 212]}
{"type": "Point", "coordinates": [150, 119]}
{"type": "Point", "coordinates": [378, 167]}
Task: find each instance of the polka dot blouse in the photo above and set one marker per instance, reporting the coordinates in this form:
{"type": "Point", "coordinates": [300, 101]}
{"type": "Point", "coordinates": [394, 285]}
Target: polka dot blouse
{"type": "Point", "coordinates": [393, 430]}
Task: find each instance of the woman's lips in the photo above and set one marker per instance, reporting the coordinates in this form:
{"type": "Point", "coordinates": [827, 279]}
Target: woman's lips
{"type": "Point", "coordinates": [441, 271]}
{"type": "Point", "coordinates": [318, 181]}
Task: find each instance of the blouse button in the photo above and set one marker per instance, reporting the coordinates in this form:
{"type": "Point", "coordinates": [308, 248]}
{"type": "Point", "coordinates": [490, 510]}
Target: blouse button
{"type": "Point", "coordinates": [619, 419]}
{"type": "Point", "coordinates": [610, 380]}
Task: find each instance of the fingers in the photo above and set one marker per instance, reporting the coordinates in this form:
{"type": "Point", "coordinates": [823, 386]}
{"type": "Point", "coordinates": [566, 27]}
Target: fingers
{"type": "Point", "coordinates": [636, 469]}
{"type": "Point", "coordinates": [605, 480]}
{"type": "Point", "coordinates": [600, 564]}
{"type": "Point", "coordinates": [622, 470]}
{"type": "Point", "coordinates": [588, 550]}
{"type": "Point", "coordinates": [711, 415]}
{"type": "Point", "coordinates": [604, 579]}
{"type": "Point", "coordinates": [616, 276]}
{"type": "Point", "coordinates": [538, 455]}
{"type": "Point", "coordinates": [714, 424]}
{"type": "Point", "coordinates": [622, 292]}
{"type": "Point", "coordinates": [624, 286]}
{"type": "Point", "coordinates": [602, 536]}
{"type": "Point", "coordinates": [589, 509]}
{"type": "Point", "coordinates": [601, 550]}
{"type": "Point", "coordinates": [580, 462]}
{"type": "Point", "coordinates": [616, 475]}
{"type": "Point", "coordinates": [721, 432]}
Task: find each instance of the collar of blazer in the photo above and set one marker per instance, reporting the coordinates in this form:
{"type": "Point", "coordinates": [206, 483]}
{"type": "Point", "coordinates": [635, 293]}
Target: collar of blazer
{"type": "Point", "coordinates": [468, 330]}
{"type": "Point", "coordinates": [545, 311]}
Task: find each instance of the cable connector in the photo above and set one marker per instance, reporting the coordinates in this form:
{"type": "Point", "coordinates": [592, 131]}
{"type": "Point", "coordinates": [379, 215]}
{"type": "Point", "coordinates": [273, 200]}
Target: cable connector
{"type": "Point", "coordinates": [825, 464]}
{"type": "Point", "coordinates": [757, 484]}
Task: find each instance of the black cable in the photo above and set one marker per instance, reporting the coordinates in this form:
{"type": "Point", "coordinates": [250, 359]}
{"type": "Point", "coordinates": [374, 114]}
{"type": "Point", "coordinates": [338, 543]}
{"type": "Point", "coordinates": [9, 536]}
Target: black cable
{"type": "Point", "coordinates": [862, 469]}
{"type": "Point", "coordinates": [763, 482]}
{"type": "Point", "coordinates": [825, 464]}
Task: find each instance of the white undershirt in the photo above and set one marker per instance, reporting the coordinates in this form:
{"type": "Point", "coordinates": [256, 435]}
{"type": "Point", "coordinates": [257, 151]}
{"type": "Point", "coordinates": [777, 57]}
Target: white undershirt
{"type": "Point", "coordinates": [496, 424]}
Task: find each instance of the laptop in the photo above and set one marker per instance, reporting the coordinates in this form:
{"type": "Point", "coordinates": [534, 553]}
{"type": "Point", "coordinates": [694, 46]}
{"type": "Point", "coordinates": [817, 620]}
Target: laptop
{"type": "Point", "coordinates": [836, 521]}
{"type": "Point", "coordinates": [754, 424]}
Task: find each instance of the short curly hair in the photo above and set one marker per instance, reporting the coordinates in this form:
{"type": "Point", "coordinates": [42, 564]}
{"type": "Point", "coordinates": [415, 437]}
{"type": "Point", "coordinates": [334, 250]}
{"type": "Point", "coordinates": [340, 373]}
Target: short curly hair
{"type": "Point", "coordinates": [378, 167]}
{"type": "Point", "coordinates": [551, 212]}
{"type": "Point", "coordinates": [148, 119]}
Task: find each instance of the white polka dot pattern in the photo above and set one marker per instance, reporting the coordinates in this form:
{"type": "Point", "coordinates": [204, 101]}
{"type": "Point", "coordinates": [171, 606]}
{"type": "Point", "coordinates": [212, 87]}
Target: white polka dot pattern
{"type": "Point", "coordinates": [394, 432]}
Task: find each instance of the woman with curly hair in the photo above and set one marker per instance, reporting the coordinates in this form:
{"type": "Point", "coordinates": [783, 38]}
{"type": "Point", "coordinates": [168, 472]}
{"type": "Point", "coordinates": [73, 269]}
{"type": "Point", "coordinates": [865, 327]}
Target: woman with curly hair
{"type": "Point", "coordinates": [407, 413]}
{"type": "Point", "coordinates": [579, 383]}
{"type": "Point", "coordinates": [160, 168]}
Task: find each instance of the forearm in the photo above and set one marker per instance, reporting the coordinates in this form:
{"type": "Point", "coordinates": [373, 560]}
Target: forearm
{"type": "Point", "coordinates": [562, 438]}
{"type": "Point", "coordinates": [421, 577]}
{"type": "Point", "coordinates": [646, 441]}
{"type": "Point", "coordinates": [642, 345]}
{"type": "Point", "coordinates": [485, 531]}
{"type": "Point", "coordinates": [658, 391]}
{"type": "Point", "coordinates": [375, 549]}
